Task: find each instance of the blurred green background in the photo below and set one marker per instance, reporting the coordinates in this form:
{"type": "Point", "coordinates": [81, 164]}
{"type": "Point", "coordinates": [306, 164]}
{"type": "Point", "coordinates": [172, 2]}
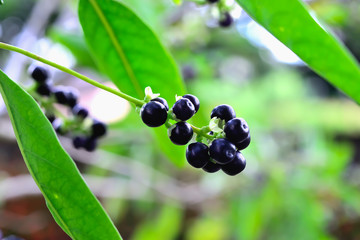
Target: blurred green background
{"type": "Point", "coordinates": [302, 176]}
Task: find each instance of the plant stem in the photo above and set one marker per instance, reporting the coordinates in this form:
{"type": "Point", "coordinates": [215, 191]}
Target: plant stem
{"type": "Point", "coordinates": [199, 131]}
{"type": "Point", "coordinates": [136, 101]}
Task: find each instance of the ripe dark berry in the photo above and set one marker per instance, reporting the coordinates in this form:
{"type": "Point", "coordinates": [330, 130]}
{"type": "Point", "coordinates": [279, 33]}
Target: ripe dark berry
{"type": "Point", "coordinates": [44, 89]}
{"type": "Point", "coordinates": [236, 166]}
{"type": "Point", "coordinates": [90, 144]}
{"type": "Point", "coordinates": [226, 20]}
{"type": "Point", "coordinates": [222, 151]}
{"type": "Point", "coordinates": [244, 144]}
{"type": "Point", "coordinates": [236, 130]}
{"type": "Point", "coordinates": [162, 101]}
{"type": "Point", "coordinates": [194, 100]}
{"type": "Point", "coordinates": [212, 1]}
{"type": "Point", "coordinates": [80, 111]}
{"type": "Point", "coordinates": [58, 126]}
{"type": "Point", "coordinates": [224, 112]}
{"type": "Point", "coordinates": [183, 109]}
{"type": "Point", "coordinates": [98, 129]}
{"type": "Point", "coordinates": [153, 114]}
{"type": "Point", "coordinates": [211, 167]}
{"type": "Point", "coordinates": [180, 133]}
{"type": "Point", "coordinates": [72, 98]}
{"type": "Point", "coordinates": [60, 96]}
{"type": "Point", "coordinates": [51, 118]}
{"type": "Point", "coordinates": [39, 74]}
{"type": "Point", "coordinates": [79, 142]}
{"type": "Point", "coordinates": [66, 96]}
{"type": "Point", "coordinates": [197, 154]}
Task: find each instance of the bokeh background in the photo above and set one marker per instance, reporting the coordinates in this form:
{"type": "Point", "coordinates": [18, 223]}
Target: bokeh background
{"type": "Point", "coordinates": [302, 179]}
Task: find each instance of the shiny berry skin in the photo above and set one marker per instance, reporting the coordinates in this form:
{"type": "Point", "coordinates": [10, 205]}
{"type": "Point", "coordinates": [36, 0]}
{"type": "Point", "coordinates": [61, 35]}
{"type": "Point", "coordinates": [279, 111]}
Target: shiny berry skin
{"type": "Point", "coordinates": [90, 144]}
{"type": "Point", "coordinates": [236, 166]}
{"type": "Point", "coordinates": [58, 126]}
{"type": "Point", "coordinates": [51, 118]}
{"type": "Point", "coordinates": [60, 95]}
{"type": "Point", "coordinates": [222, 151]}
{"type": "Point", "coordinates": [39, 74]}
{"type": "Point", "coordinates": [66, 96]}
{"type": "Point", "coordinates": [153, 114]}
{"type": "Point", "coordinates": [162, 101]}
{"type": "Point", "coordinates": [79, 142]}
{"type": "Point", "coordinates": [183, 109]}
{"type": "Point", "coordinates": [180, 133]}
{"type": "Point", "coordinates": [244, 144]}
{"type": "Point", "coordinates": [197, 154]}
{"type": "Point", "coordinates": [224, 112]}
{"type": "Point", "coordinates": [211, 167]}
{"type": "Point", "coordinates": [98, 129]}
{"type": "Point", "coordinates": [226, 21]}
{"type": "Point", "coordinates": [194, 100]}
{"type": "Point", "coordinates": [80, 111]}
{"type": "Point", "coordinates": [72, 98]}
{"type": "Point", "coordinates": [236, 130]}
{"type": "Point", "coordinates": [44, 89]}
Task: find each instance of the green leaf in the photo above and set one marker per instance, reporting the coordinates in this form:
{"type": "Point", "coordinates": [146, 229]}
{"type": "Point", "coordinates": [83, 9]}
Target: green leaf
{"type": "Point", "coordinates": [291, 23]}
{"type": "Point", "coordinates": [69, 199]}
{"type": "Point", "coordinates": [129, 52]}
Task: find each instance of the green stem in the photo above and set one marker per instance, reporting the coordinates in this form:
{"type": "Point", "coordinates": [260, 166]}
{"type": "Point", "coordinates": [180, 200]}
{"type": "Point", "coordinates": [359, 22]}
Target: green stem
{"type": "Point", "coordinates": [136, 101]}
{"type": "Point", "coordinates": [200, 132]}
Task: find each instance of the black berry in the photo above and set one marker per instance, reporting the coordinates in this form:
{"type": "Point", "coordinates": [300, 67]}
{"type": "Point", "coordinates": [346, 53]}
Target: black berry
{"type": "Point", "coordinates": [224, 112]}
{"type": "Point", "coordinates": [222, 151]}
{"type": "Point", "coordinates": [44, 89]}
{"type": "Point", "coordinates": [180, 133]}
{"type": "Point", "coordinates": [98, 129]}
{"type": "Point", "coordinates": [153, 114]}
{"type": "Point", "coordinates": [39, 74]}
{"type": "Point", "coordinates": [183, 109]}
{"type": "Point", "coordinates": [226, 20]}
{"type": "Point", "coordinates": [162, 101]}
{"type": "Point", "coordinates": [80, 111]}
{"type": "Point", "coordinates": [60, 96]}
{"type": "Point", "coordinates": [236, 130]}
{"type": "Point", "coordinates": [194, 100]}
{"type": "Point", "coordinates": [79, 142]}
{"type": "Point", "coordinates": [236, 166]}
{"type": "Point", "coordinates": [211, 167]}
{"type": "Point", "coordinates": [212, 1]}
{"type": "Point", "coordinates": [66, 96]}
{"type": "Point", "coordinates": [197, 154]}
{"type": "Point", "coordinates": [72, 98]}
{"type": "Point", "coordinates": [58, 126]}
{"type": "Point", "coordinates": [51, 118]}
{"type": "Point", "coordinates": [244, 144]}
{"type": "Point", "coordinates": [90, 144]}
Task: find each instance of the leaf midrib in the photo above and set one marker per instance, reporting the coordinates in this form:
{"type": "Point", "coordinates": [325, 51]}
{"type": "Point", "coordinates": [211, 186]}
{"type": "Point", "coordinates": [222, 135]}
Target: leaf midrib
{"type": "Point", "coordinates": [118, 48]}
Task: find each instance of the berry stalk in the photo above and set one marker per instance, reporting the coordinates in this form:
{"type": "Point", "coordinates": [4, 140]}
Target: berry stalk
{"type": "Point", "coordinates": [137, 102]}
{"type": "Point", "coordinates": [131, 99]}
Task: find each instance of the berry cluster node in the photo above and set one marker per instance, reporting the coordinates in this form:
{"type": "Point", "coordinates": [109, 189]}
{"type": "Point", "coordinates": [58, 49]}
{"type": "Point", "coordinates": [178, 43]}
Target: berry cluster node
{"type": "Point", "coordinates": [217, 145]}
{"type": "Point", "coordinates": [85, 132]}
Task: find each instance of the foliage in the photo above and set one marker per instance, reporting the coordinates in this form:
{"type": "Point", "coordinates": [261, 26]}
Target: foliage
{"type": "Point", "coordinates": [296, 171]}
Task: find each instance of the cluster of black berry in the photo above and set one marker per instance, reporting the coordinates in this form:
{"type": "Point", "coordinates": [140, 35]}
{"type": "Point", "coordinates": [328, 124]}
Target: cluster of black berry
{"type": "Point", "coordinates": [226, 136]}
{"type": "Point", "coordinates": [85, 132]}
{"type": "Point", "coordinates": [225, 18]}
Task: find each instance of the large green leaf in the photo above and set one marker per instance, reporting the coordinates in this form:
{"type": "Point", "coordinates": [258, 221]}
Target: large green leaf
{"type": "Point", "coordinates": [291, 23]}
{"type": "Point", "coordinates": [128, 51]}
{"type": "Point", "coordinates": [69, 199]}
